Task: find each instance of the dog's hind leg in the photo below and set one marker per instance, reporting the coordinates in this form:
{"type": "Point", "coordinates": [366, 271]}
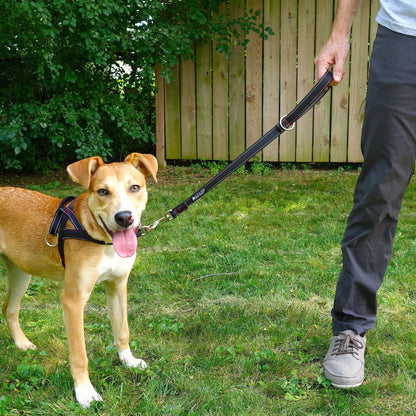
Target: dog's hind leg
{"type": "Point", "coordinates": [18, 283]}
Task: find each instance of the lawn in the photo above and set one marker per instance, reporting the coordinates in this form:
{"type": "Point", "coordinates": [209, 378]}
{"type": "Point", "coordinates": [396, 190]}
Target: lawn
{"type": "Point", "coordinates": [229, 305]}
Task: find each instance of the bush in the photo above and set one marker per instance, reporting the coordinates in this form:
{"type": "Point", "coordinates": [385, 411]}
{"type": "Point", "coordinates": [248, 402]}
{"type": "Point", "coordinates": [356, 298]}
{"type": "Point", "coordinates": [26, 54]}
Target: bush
{"type": "Point", "coordinates": [77, 76]}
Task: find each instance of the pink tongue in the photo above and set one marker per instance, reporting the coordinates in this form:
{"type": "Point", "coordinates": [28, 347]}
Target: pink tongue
{"type": "Point", "coordinates": [125, 243]}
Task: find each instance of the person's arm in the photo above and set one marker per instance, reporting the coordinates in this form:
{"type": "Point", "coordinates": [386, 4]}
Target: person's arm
{"type": "Point", "coordinates": [335, 51]}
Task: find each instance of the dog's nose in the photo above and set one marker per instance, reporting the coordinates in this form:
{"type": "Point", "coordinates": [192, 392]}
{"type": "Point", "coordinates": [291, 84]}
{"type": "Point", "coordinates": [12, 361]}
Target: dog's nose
{"type": "Point", "coordinates": [124, 218]}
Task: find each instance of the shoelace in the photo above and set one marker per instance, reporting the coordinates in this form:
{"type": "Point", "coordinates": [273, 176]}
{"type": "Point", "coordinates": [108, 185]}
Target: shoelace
{"type": "Point", "coordinates": [347, 345]}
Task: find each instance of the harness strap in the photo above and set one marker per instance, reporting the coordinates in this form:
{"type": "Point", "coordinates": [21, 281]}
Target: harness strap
{"type": "Point", "coordinates": [58, 227]}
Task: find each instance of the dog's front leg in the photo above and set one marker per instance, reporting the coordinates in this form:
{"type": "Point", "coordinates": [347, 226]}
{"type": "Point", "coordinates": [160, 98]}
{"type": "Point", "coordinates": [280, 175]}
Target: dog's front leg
{"type": "Point", "coordinates": [116, 292]}
{"type": "Point", "coordinates": [74, 298]}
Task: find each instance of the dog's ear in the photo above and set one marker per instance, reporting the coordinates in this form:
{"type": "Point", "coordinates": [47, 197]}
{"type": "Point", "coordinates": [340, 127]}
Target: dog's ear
{"type": "Point", "coordinates": [144, 163]}
{"type": "Point", "coordinates": [81, 171]}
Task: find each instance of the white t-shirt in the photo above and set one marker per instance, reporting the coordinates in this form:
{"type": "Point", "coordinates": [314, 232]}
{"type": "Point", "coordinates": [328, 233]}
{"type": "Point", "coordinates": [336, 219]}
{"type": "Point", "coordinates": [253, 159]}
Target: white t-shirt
{"type": "Point", "coordinates": [398, 16]}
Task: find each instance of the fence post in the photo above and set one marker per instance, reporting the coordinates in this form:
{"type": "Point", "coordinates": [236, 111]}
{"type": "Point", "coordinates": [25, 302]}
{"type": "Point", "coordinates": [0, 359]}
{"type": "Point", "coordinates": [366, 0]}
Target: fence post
{"type": "Point", "coordinates": [160, 117]}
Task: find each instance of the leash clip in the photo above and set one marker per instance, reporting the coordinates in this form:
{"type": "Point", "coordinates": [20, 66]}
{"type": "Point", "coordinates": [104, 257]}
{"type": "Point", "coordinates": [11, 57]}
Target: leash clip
{"type": "Point", "coordinates": [167, 216]}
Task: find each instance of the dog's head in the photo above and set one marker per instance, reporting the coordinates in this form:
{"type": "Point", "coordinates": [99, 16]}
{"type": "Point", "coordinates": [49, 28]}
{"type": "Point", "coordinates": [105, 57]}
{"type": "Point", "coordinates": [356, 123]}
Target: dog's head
{"type": "Point", "coordinates": [117, 195]}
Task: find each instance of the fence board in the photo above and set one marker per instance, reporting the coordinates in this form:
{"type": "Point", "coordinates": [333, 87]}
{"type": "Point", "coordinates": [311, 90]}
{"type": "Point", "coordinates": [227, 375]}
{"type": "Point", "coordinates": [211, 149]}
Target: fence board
{"type": "Point", "coordinates": [374, 8]}
{"type": "Point", "coordinates": [358, 82]}
{"type": "Point", "coordinates": [254, 81]}
{"type": "Point", "coordinates": [306, 55]}
{"type": "Point", "coordinates": [321, 130]}
{"type": "Point", "coordinates": [160, 121]}
{"type": "Point", "coordinates": [237, 131]}
{"type": "Point", "coordinates": [339, 120]}
{"type": "Point", "coordinates": [215, 108]}
{"type": "Point", "coordinates": [188, 110]}
{"type": "Point", "coordinates": [204, 100]}
{"type": "Point", "coordinates": [220, 102]}
{"type": "Point", "coordinates": [220, 106]}
{"type": "Point", "coordinates": [288, 74]}
{"type": "Point", "coordinates": [271, 77]}
{"type": "Point", "coordinates": [173, 117]}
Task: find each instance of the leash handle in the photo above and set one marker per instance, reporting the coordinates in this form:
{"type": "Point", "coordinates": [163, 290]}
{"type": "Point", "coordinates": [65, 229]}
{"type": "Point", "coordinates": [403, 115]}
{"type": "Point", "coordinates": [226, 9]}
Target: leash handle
{"type": "Point", "coordinates": [286, 123]}
{"type": "Point", "coordinates": [310, 99]}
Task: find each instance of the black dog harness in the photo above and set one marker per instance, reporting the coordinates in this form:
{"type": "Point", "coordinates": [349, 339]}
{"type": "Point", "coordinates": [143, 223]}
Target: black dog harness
{"type": "Point", "coordinates": [58, 227]}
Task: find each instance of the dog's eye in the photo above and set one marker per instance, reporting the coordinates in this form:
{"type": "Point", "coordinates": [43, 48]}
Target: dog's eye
{"type": "Point", "coordinates": [103, 192]}
{"type": "Point", "coordinates": [135, 188]}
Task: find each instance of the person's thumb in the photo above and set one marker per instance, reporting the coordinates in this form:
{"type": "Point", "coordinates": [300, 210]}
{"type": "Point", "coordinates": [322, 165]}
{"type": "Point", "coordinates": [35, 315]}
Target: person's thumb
{"type": "Point", "coordinates": [338, 73]}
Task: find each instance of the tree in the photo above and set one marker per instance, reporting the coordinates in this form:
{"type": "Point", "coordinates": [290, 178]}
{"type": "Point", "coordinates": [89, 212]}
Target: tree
{"type": "Point", "coordinates": [76, 76]}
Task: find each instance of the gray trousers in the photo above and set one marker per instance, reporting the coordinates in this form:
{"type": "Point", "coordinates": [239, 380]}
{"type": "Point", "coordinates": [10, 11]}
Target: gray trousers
{"type": "Point", "coordinates": [389, 147]}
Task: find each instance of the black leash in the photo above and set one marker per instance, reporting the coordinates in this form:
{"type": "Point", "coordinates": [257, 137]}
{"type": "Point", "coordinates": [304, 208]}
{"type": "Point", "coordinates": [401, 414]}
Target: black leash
{"type": "Point", "coordinates": [285, 123]}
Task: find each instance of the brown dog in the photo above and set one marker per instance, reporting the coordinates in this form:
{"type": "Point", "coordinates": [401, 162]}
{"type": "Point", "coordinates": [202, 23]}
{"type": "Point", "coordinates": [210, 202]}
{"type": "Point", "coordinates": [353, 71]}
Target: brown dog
{"type": "Point", "coordinates": [110, 212]}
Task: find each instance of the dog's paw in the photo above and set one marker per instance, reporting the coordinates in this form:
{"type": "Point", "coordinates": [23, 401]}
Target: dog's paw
{"type": "Point", "coordinates": [25, 345]}
{"type": "Point", "coordinates": [127, 358]}
{"type": "Point", "coordinates": [86, 394]}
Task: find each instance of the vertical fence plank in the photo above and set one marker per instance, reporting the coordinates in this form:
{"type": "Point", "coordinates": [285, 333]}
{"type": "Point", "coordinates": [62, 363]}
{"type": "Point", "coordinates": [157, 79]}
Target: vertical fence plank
{"type": "Point", "coordinates": [288, 74]}
{"type": "Point", "coordinates": [254, 80]}
{"type": "Point", "coordinates": [304, 127]}
{"type": "Point", "coordinates": [188, 110]}
{"type": "Point", "coordinates": [358, 83]}
{"type": "Point", "coordinates": [173, 116]}
{"type": "Point", "coordinates": [220, 106]}
{"type": "Point", "coordinates": [374, 8]}
{"type": "Point", "coordinates": [271, 77]}
{"type": "Point", "coordinates": [322, 111]}
{"type": "Point", "coordinates": [160, 120]}
{"type": "Point", "coordinates": [237, 91]}
{"type": "Point", "coordinates": [220, 101]}
{"type": "Point", "coordinates": [204, 100]}
{"type": "Point", "coordinates": [339, 119]}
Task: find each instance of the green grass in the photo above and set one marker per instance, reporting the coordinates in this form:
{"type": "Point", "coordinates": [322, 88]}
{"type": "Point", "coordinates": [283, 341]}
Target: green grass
{"type": "Point", "coordinates": [230, 306]}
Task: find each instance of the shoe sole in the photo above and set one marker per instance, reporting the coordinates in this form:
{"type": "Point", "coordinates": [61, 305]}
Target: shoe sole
{"type": "Point", "coordinates": [347, 386]}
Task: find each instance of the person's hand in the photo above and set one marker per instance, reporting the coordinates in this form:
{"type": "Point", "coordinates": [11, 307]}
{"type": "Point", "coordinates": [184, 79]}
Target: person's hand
{"type": "Point", "coordinates": [333, 54]}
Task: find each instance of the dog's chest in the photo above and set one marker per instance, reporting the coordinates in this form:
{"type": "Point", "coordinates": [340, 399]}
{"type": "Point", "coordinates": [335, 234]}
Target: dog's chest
{"type": "Point", "coordinates": [112, 266]}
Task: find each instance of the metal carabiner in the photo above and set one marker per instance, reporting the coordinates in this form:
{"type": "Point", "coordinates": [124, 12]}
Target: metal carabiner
{"type": "Point", "coordinates": [167, 216]}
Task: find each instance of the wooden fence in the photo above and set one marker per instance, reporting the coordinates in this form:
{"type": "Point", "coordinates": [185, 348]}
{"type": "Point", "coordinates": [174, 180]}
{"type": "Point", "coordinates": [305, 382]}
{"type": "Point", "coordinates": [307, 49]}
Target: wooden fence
{"type": "Point", "coordinates": [215, 108]}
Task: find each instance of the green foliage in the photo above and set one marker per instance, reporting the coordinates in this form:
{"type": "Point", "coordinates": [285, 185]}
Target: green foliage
{"type": "Point", "coordinates": [77, 76]}
{"type": "Point", "coordinates": [27, 377]}
{"type": "Point", "coordinates": [166, 325]}
{"type": "Point", "coordinates": [257, 167]}
{"type": "Point", "coordinates": [213, 167]}
{"type": "Point", "coordinates": [260, 168]}
{"type": "Point", "coordinates": [4, 403]}
{"type": "Point", "coordinates": [288, 166]}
